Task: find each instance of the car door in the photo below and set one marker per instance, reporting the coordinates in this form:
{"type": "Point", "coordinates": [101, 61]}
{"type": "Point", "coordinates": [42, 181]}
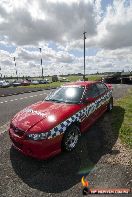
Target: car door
{"type": "Point", "coordinates": [102, 92]}
{"type": "Point", "coordinates": [90, 112]}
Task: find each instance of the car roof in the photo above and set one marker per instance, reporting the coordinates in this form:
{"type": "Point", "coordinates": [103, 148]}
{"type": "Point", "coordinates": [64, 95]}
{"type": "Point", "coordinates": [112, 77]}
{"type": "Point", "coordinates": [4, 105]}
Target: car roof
{"type": "Point", "coordinates": [80, 83]}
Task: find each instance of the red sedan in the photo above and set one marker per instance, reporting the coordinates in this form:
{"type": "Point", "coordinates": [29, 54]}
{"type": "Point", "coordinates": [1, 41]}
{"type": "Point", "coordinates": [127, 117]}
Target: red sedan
{"type": "Point", "coordinates": [46, 128]}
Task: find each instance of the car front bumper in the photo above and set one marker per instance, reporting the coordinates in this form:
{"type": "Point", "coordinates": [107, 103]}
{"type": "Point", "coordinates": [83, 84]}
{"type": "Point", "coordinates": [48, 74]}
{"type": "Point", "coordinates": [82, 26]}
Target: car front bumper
{"type": "Point", "coordinates": [42, 149]}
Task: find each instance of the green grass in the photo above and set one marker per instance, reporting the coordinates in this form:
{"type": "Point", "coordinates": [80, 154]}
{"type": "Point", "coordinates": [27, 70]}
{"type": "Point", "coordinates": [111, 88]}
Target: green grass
{"type": "Point", "coordinates": [94, 77]}
{"type": "Point", "coordinates": [74, 78]}
{"type": "Point", "coordinates": [90, 77]}
{"type": "Point", "coordinates": [122, 119]}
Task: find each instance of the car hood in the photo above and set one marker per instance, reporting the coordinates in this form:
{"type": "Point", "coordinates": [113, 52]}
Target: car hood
{"type": "Point", "coordinates": [43, 116]}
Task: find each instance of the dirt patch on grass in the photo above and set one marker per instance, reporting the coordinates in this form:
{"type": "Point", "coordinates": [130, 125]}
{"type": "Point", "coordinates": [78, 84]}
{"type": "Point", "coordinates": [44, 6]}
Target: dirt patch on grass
{"type": "Point", "coordinates": [119, 154]}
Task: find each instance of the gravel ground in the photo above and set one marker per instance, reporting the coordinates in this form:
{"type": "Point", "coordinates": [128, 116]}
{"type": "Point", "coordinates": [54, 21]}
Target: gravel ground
{"type": "Point", "coordinates": [120, 90]}
{"type": "Point", "coordinates": [100, 157]}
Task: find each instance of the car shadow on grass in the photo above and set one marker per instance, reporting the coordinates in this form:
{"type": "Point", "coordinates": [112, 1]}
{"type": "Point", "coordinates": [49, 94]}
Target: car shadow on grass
{"type": "Point", "coordinates": [65, 170]}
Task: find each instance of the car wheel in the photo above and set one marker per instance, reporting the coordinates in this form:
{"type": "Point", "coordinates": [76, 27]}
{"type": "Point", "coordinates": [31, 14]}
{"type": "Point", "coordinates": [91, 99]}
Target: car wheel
{"type": "Point", "coordinates": [110, 105]}
{"type": "Point", "coordinates": [70, 139]}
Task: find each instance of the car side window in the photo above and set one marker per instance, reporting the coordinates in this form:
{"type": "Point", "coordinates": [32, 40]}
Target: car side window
{"type": "Point", "coordinates": [102, 88]}
{"type": "Point", "coordinates": [92, 91]}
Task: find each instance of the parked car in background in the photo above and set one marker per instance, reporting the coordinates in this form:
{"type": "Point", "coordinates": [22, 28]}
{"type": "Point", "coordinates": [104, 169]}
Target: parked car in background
{"type": "Point", "coordinates": [64, 79]}
{"type": "Point", "coordinates": [44, 81]}
{"type": "Point", "coordinates": [4, 84]}
{"type": "Point", "coordinates": [16, 83]}
{"type": "Point", "coordinates": [47, 80]}
{"type": "Point", "coordinates": [47, 127]}
{"type": "Point", "coordinates": [1, 83]}
{"type": "Point", "coordinates": [114, 78]}
{"type": "Point", "coordinates": [25, 83]}
{"type": "Point", "coordinates": [34, 82]}
{"type": "Point", "coordinates": [126, 80]}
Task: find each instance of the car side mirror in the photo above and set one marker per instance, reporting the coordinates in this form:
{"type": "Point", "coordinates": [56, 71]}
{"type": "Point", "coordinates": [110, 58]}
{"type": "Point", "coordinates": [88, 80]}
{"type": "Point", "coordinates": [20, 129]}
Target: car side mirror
{"type": "Point", "coordinates": [90, 100]}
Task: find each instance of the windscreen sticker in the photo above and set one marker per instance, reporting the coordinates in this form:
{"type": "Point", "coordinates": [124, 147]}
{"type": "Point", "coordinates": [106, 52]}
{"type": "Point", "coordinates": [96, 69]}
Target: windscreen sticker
{"type": "Point", "coordinates": [34, 112]}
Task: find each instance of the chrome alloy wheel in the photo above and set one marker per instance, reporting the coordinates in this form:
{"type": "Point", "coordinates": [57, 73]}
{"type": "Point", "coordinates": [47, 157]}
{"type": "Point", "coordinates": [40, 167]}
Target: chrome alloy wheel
{"type": "Point", "coordinates": [72, 139]}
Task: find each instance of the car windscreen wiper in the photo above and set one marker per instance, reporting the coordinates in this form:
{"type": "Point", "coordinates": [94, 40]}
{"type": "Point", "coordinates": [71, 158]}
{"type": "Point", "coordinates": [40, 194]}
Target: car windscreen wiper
{"type": "Point", "coordinates": [60, 101]}
{"type": "Point", "coordinates": [71, 102]}
{"type": "Point", "coordinates": [54, 100]}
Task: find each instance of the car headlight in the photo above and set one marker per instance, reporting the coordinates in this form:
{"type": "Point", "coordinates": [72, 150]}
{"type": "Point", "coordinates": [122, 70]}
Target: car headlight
{"type": "Point", "coordinates": [38, 136]}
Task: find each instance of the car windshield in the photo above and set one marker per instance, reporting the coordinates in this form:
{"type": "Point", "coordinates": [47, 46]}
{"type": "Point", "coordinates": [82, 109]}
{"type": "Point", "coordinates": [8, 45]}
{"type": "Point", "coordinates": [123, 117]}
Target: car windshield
{"type": "Point", "coordinates": [66, 95]}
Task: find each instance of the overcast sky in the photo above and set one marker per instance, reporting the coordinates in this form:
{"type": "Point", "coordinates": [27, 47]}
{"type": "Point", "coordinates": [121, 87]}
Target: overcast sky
{"type": "Point", "coordinates": [57, 27]}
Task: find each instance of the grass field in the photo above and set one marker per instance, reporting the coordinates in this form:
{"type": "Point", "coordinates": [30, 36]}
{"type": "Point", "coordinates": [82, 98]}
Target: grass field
{"type": "Point", "coordinates": [90, 77]}
{"type": "Point", "coordinates": [125, 131]}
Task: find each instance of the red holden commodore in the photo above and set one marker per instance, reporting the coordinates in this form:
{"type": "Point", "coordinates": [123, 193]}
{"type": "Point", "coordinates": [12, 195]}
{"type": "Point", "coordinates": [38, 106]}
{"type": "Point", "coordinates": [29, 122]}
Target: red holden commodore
{"type": "Point", "coordinates": [46, 128]}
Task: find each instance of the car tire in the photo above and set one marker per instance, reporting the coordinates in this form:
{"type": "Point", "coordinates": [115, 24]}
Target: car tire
{"type": "Point", "coordinates": [71, 138]}
{"type": "Point", "coordinates": [110, 105]}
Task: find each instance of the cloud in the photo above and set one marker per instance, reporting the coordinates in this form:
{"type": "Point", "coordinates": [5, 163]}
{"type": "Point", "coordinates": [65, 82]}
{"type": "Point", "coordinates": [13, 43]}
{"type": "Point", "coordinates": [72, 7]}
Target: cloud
{"type": "Point", "coordinates": [115, 29]}
{"type": "Point", "coordinates": [47, 54]}
{"type": "Point", "coordinates": [28, 60]}
{"type": "Point", "coordinates": [35, 21]}
{"type": "Point", "coordinates": [31, 22]}
{"type": "Point", "coordinates": [116, 26]}
{"type": "Point", "coordinates": [57, 26]}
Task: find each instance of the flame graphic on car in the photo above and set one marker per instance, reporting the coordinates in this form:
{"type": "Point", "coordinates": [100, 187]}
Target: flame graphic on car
{"type": "Point", "coordinates": [84, 182]}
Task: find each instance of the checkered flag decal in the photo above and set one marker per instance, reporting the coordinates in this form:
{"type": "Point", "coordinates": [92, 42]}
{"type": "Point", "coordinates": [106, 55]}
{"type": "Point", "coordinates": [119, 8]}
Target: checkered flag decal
{"type": "Point", "coordinates": [79, 116]}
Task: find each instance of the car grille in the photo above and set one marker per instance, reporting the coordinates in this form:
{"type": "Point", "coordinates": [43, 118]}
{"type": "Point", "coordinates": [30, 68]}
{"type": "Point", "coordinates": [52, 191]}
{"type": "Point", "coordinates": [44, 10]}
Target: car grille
{"type": "Point", "coordinates": [17, 131]}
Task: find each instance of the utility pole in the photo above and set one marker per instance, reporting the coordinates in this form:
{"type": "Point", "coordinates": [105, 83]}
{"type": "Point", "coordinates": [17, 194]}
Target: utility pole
{"type": "Point", "coordinates": [84, 37]}
{"type": "Point", "coordinates": [16, 68]}
{"type": "Point", "coordinates": [41, 62]}
{"type": "Point", "coordinates": [0, 73]}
